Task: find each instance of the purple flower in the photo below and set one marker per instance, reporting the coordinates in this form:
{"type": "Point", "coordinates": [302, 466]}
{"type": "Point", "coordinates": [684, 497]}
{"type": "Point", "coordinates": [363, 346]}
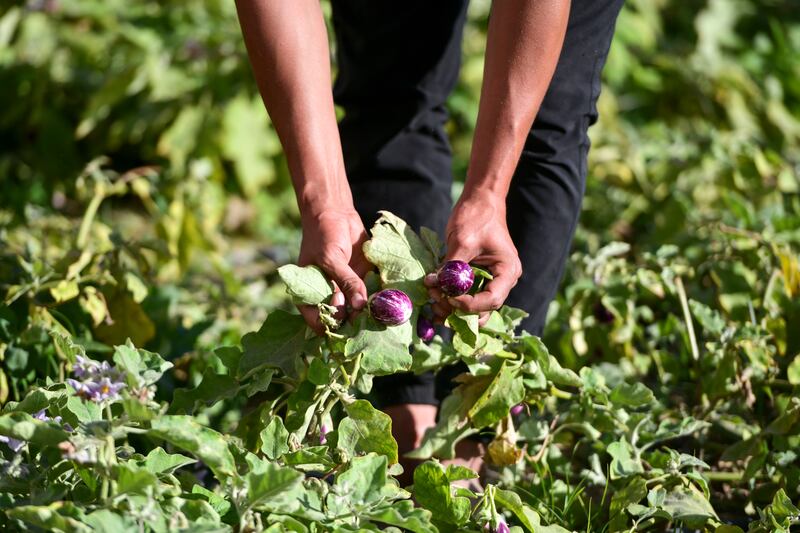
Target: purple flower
{"type": "Point", "coordinates": [98, 380]}
{"type": "Point", "coordinates": [502, 527]}
{"type": "Point", "coordinates": [517, 409]}
{"type": "Point", "coordinates": [14, 444]}
{"type": "Point", "coordinates": [424, 329]}
{"type": "Point", "coordinates": [323, 432]}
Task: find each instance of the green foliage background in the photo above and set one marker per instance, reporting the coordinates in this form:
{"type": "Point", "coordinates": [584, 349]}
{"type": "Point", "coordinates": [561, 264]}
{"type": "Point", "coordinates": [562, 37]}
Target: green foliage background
{"type": "Point", "coordinates": [133, 143]}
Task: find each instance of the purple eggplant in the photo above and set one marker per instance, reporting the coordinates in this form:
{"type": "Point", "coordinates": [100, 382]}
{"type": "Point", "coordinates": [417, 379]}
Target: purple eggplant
{"type": "Point", "coordinates": [391, 307]}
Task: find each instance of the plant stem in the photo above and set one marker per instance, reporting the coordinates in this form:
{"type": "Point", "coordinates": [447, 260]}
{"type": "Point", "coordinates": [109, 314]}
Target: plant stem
{"type": "Point", "coordinates": [88, 218]}
{"type": "Point", "coordinates": [687, 317]}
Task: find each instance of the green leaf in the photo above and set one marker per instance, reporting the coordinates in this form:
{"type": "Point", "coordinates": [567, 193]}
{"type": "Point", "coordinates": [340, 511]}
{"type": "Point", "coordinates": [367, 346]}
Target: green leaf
{"type": "Point", "coordinates": [274, 439]}
{"type": "Point", "coordinates": [204, 443]}
{"type": "Point", "coordinates": [142, 367]}
{"type": "Point", "coordinates": [372, 428]}
{"type": "Point", "coordinates": [533, 348]}
{"type": "Point", "coordinates": [23, 426]}
{"type": "Point", "coordinates": [278, 344]}
{"type": "Point", "coordinates": [212, 388]}
{"type": "Point", "coordinates": [79, 411]}
{"type": "Point", "coordinates": [247, 139]}
{"type": "Point", "coordinates": [404, 515]}
{"type": "Point", "coordinates": [48, 517]}
{"type": "Point", "coordinates": [793, 371]}
{"type": "Point", "coordinates": [432, 241]}
{"type": "Point", "coordinates": [432, 491]}
{"type": "Point", "coordinates": [385, 350]}
{"type": "Point", "coordinates": [465, 326]}
{"type": "Point", "coordinates": [511, 501]}
{"type": "Point", "coordinates": [631, 395]}
{"type": "Point", "coordinates": [274, 488]}
{"type": "Point", "coordinates": [711, 321]}
{"type": "Point", "coordinates": [687, 503]}
{"type": "Point", "coordinates": [402, 258]}
{"type": "Point", "coordinates": [432, 356]}
{"type": "Point", "coordinates": [132, 478]}
{"type": "Point", "coordinates": [623, 463]}
{"type": "Point", "coordinates": [632, 493]}
{"type": "Point", "coordinates": [366, 480]}
{"type": "Point", "coordinates": [310, 459]}
{"type": "Point", "coordinates": [504, 392]}
{"type": "Point", "coordinates": [160, 462]}
{"type": "Point", "coordinates": [306, 285]}
{"type": "Point", "coordinates": [318, 372]}
{"type": "Point", "coordinates": [106, 521]}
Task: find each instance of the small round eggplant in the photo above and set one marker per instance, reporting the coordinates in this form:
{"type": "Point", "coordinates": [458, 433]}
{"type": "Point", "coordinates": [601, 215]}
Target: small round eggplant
{"type": "Point", "coordinates": [455, 278]}
{"type": "Point", "coordinates": [425, 329]}
{"type": "Point", "coordinates": [391, 307]}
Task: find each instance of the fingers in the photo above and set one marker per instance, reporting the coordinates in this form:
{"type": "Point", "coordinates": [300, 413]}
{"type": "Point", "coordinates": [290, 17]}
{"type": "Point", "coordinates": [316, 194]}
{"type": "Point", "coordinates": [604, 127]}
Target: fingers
{"type": "Point", "coordinates": [355, 292]}
{"type": "Point", "coordinates": [492, 296]}
{"type": "Point", "coordinates": [311, 316]}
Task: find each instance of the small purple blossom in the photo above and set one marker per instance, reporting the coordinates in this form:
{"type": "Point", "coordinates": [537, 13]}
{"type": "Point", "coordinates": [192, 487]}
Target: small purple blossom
{"type": "Point", "coordinates": [425, 329]}
{"type": "Point", "coordinates": [323, 432]}
{"type": "Point", "coordinates": [502, 527]}
{"type": "Point", "coordinates": [98, 381]}
{"type": "Point", "coordinates": [15, 444]}
{"type": "Point", "coordinates": [517, 409]}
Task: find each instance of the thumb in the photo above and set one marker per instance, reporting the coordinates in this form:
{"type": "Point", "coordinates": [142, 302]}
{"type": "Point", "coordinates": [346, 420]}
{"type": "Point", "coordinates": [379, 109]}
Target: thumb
{"type": "Point", "coordinates": [349, 283]}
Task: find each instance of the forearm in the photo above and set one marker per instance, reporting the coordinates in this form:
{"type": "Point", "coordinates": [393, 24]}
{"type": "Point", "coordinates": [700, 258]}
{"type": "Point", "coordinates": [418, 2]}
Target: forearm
{"type": "Point", "coordinates": [523, 45]}
{"type": "Point", "coordinates": [288, 49]}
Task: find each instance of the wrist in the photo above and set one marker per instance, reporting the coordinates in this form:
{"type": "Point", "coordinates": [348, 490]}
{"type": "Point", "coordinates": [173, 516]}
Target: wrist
{"type": "Point", "coordinates": [319, 199]}
{"type": "Point", "coordinates": [471, 198]}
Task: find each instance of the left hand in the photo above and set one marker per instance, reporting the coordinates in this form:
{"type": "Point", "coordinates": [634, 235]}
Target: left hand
{"type": "Point", "coordinates": [477, 233]}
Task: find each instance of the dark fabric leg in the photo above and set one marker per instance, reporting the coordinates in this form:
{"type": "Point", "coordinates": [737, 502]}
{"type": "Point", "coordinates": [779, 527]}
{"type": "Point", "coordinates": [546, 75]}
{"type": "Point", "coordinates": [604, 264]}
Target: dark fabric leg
{"type": "Point", "coordinates": [396, 69]}
{"type": "Point", "coordinates": [547, 189]}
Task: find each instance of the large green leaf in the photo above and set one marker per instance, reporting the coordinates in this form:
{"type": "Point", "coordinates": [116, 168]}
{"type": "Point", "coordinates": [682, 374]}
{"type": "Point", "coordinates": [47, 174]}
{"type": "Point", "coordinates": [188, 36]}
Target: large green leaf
{"type": "Point", "coordinates": [384, 349]}
{"type": "Point", "coordinates": [404, 515]}
{"type": "Point", "coordinates": [306, 285]}
{"type": "Point", "coordinates": [22, 426]}
{"type": "Point", "coordinates": [278, 344]}
{"type": "Point", "coordinates": [274, 439]}
{"type": "Point", "coordinates": [504, 392]}
{"type": "Point", "coordinates": [142, 367]}
{"type": "Point", "coordinates": [402, 258]}
{"type": "Point", "coordinates": [274, 488]}
{"type": "Point", "coordinates": [433, 492]}
{"type": "Point", "coordinates": [160, 462]}
{"type": "Point", "coordinates": [370, 430]}
{"type": "Point", "coordinates": [212, 388]}
{"type": "Point", "coordinates": [206, 444]}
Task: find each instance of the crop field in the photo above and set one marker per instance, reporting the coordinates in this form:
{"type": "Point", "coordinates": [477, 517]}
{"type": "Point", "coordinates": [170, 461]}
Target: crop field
{"type": "Point", "coordinates": [155, 375]}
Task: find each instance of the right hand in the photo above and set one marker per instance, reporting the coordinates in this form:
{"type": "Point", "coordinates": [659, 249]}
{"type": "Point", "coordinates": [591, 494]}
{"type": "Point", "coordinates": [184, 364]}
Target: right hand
{"type": "Point", "coordinates": [333, 240]}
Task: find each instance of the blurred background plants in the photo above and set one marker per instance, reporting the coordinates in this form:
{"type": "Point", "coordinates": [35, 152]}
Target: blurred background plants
{"type": "Point", "coordinates": [144, 195]}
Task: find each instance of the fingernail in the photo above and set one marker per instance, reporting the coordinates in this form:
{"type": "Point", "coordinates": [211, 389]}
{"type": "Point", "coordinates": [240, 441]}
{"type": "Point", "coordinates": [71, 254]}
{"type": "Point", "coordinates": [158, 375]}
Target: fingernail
{"type": "Point", "coordinates": [430, 279]}
{"type": "Point", "coordinates": [337, 300]}
{"type": "Point", "coordinates": [453, 302]}
{"type": "Point", "coordinates": [358, 302]}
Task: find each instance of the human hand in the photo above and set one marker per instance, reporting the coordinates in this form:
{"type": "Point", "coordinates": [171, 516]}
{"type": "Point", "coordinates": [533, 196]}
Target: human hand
{"type": "Point", "coordinates": [332, 240]}
{"type": "Point", "coordinates": [477, 233]}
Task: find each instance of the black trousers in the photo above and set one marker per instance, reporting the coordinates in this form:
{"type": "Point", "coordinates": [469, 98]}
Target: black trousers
{"type": "Point", "coordinates": [397, 65]}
